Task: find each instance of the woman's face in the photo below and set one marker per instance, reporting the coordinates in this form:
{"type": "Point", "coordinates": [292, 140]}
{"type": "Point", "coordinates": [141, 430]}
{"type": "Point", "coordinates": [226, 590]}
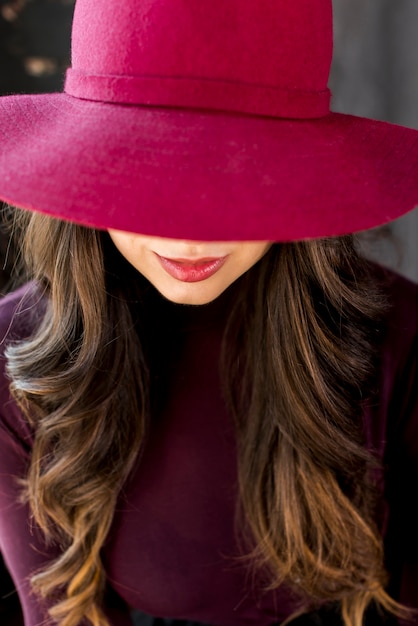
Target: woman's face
{"type": "Point", "coordinates": [188, 272]}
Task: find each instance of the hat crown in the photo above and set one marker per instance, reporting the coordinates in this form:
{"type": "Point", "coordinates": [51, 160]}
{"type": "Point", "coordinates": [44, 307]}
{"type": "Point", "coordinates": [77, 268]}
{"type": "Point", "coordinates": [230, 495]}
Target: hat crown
{"type": "Point", "coordinates": [257, 52]}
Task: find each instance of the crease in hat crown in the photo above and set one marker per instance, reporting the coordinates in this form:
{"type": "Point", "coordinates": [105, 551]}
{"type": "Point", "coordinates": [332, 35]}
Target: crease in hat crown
{"type": "Point", "coordinates": [270, 57]}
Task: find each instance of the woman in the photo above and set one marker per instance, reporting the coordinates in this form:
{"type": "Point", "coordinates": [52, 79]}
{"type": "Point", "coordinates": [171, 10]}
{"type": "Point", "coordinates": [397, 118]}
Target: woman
{"type": "Point", "coordinates": [200, 423]}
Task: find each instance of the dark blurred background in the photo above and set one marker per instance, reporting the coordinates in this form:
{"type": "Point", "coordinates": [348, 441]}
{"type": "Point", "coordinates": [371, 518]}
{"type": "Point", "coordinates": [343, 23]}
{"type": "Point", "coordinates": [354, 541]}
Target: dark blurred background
{"type": "Point", "coordinates": [34, 53]}
{"type": "Point", "coordinates": [374, 74]}
{"type": "Point", "coordinates": [34, 44]}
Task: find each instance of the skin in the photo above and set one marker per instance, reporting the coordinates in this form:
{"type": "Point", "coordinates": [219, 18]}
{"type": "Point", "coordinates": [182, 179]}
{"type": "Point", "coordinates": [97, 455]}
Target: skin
{"type": "Point", "coordinates": [143, 253]}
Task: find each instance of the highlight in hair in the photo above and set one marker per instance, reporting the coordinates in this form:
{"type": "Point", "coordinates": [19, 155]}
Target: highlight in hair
{"type": "Point", "coordinates": [71, 378]}
{"type": "Point", "coordinates": [296, 384]}
{"type": "Point", "coordinates": [297, 359]}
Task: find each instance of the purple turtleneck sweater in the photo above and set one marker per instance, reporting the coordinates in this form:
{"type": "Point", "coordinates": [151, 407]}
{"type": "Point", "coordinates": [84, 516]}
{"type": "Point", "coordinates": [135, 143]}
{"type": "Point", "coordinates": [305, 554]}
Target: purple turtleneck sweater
{"type": "Point", "coordinates": [172, 549]}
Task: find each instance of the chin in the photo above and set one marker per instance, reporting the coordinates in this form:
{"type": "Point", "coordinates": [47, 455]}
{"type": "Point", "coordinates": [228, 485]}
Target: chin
{"type": "Point", "coordinates": [191, 297]}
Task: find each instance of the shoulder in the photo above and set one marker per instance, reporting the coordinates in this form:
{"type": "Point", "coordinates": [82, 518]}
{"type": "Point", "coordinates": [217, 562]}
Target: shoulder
{"type": "Point", "coordinates": [402, 298]}
{"type": "Point", "coordinates": [395, 413]}
{"type": "Point", "coordinates": [400, 329]}
{"type": "Point", "coordinates": [20, 312]}
{"type": "Point", "coordinates": [392, 407]}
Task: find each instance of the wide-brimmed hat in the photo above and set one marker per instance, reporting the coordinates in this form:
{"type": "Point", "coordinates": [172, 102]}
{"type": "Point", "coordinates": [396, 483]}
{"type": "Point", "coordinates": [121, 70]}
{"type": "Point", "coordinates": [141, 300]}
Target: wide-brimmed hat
{"type": "Point", "coordinates": [204, 120]}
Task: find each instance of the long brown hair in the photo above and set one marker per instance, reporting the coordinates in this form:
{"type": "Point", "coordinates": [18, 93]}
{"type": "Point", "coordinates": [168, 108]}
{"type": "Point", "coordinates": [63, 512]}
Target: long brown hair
{"type": "Point", "coordinates": [298, 357]}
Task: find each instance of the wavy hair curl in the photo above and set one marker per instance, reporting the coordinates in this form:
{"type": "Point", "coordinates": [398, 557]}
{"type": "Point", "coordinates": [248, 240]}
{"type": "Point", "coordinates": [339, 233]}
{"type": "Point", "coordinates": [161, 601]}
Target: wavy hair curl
{"type": "Point", "coordinates": [298, 355]}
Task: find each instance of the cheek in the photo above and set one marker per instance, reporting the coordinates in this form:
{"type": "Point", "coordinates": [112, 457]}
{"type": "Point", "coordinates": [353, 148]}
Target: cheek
{"type": "Point", "coordinates": [128, 246]}
{"type": "Point", "coordinates": [254, 253]}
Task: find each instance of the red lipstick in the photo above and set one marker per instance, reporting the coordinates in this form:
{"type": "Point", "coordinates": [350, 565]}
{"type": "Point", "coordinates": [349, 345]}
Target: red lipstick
{"type": "Point", "coordinates": [191, 270]}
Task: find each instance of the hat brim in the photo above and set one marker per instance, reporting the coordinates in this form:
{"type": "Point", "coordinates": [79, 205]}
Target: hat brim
{"type": "Point", "coordinates": [202, 175]}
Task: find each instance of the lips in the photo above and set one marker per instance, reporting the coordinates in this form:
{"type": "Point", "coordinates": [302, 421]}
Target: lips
{"type": "Point", "coordinates": [191, 270]}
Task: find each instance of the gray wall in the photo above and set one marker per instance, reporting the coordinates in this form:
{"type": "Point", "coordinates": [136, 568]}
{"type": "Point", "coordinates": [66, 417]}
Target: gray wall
{"type": "Point", "coordinates": [375, 74]}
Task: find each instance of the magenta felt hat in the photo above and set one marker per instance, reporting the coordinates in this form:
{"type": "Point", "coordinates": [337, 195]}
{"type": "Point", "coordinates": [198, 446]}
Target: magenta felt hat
{"type": "Point", "coordinates": [204, 120]}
